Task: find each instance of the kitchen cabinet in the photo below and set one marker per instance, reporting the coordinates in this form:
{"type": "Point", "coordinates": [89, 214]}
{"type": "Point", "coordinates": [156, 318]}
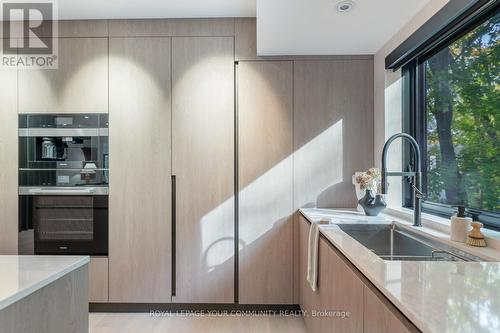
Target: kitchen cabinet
{"type": "Point", "coordinates": [172, 27]}
{"type": "Point", "coordinates": [9, 147]}
{"type": "Point", "coordinates": [140, 170]}
{"type": "Point", "coordinates": [341, 288]}
{"type": "Point", "coordinates": [245, 39]}
{"type": "Point", "coordinates": [73, 29]}
{"type": "Point", "coordinates": [382, 317]}
{"type": "Point", "coordinates": [308, 299]}
{"type": "Point", "coordinates": [98, 280]}
{"type": "Point", "coordinates": [265, 123]}
{"type": "Point", "coordinates": [333, 129]}
{"type": "Point", "coordinates": [203, 164]}
{"type": "Point", "coordinates": [78, 85]}
{"type": "Point", "coordinates": [82, 28]}
{"type": "Point", "coordinates": [340, 292]}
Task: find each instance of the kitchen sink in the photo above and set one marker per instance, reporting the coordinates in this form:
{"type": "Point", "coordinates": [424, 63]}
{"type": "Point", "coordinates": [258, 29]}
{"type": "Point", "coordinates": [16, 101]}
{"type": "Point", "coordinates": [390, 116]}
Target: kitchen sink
{"type": "Point", "coordinates": [392, 242]}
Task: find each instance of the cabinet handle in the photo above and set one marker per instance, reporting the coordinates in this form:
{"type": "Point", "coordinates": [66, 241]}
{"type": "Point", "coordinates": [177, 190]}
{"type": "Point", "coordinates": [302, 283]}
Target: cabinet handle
{"type": "Point", "coordinates": [173, 236]}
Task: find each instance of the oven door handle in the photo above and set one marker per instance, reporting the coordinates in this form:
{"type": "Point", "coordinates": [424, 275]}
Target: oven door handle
{"type": "Point", "coordinates": [59, 192]}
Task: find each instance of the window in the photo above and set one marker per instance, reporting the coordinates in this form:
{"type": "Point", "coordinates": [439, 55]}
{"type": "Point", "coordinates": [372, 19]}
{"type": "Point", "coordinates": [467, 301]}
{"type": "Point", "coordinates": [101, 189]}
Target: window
{"type": "Point", "coordinates": [454, 112]}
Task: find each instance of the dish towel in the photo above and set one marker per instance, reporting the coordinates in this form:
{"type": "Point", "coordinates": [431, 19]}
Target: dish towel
{"type": "Point", "coordinates": [312, 253]}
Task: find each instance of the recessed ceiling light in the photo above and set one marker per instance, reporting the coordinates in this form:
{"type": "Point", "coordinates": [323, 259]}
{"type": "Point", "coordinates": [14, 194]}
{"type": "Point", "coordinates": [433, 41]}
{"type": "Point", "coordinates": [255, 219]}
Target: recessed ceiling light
{"type": "Point", "coordinates": [345, 6]}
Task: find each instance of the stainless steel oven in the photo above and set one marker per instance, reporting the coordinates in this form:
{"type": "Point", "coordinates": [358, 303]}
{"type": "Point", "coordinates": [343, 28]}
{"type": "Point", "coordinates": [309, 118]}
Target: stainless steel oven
{"type": "Point", "coordinates": [63, 184]}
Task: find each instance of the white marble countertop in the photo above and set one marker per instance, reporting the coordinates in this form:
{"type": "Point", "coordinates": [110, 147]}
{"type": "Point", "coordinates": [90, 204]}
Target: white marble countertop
{"type": "Point", "coordinates": [21, 276]}
{"type": "Point", "coordinates": [436, 296]}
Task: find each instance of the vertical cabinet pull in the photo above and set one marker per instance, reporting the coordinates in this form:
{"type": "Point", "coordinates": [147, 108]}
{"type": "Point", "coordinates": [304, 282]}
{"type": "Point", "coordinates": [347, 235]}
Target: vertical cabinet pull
{"type": "Point", "coordinates": [173, 250]}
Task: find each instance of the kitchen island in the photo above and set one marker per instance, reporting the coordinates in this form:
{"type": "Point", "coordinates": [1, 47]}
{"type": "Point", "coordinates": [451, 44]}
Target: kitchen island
{"type": "Point", "coordinates": [43, 294]}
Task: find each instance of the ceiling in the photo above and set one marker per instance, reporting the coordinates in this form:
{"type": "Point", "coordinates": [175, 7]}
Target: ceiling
{"type": "Point", "coordinates": [299, 27]}
{"type": "Point", "coordinates": [284, 27]}
{"type": "Point", "coordinates": [113, 9]}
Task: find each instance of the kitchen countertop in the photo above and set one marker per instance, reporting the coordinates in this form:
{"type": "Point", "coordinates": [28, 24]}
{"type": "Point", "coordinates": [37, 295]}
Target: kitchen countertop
{"type": "Point", "coordinates": [23, 275]}
{"type": "Point", "coordinates": [436, 296]}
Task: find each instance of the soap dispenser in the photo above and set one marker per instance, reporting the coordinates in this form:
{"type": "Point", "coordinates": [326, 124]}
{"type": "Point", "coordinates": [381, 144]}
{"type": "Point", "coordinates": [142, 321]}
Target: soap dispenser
{"type": "Point", "coordinates": [460, 224]}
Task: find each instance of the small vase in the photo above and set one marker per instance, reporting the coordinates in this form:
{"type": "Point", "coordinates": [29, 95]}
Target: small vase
{"type": "Point", "coordinates": [359, 192]}
{"type": "Point", "coordinates": [372, 205]}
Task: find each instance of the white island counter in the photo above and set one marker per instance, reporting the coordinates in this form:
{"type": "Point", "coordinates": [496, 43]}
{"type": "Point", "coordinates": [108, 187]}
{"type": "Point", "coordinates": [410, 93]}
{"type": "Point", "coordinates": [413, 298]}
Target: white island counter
{"type": "Point", "coordinates": [43, 294]}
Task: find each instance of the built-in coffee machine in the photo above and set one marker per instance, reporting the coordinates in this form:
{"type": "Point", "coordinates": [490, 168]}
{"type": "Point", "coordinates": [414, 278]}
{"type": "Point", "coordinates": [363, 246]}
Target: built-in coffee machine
{"type": "Point", "coordinates": [63, 184]}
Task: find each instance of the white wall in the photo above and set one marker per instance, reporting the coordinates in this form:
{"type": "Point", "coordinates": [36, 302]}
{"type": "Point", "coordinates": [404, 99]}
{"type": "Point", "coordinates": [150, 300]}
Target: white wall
{"type": "Point", "coordinates": [388, 94]}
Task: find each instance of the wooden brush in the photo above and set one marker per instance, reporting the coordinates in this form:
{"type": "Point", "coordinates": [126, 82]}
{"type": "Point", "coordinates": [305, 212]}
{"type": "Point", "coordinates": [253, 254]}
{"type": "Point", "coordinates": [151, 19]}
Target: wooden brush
{"type": "Point", "coordinates": [476, 237]}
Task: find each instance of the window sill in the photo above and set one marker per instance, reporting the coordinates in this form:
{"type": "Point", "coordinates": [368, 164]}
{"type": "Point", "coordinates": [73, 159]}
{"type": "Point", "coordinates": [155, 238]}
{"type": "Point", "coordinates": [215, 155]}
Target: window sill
{"type": "Point", "coordinates": [439, 228]}
{"type": "Point", "coordinates": [434, 222]}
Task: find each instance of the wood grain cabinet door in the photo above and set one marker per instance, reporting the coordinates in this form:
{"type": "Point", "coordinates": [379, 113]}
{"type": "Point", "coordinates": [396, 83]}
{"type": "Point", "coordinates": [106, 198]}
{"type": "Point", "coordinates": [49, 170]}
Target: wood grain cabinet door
{"type": "Point", "coordinates": [78, 85]}
{"type": "Point", "coordinates": [382, 317]}
{"type": "Point", "coordinates": [333, 129]}
{"type": "Point", "coordinates": [265, 121]}
{"type": "Point", "coordinates": [9, 151]}
{"type": "Point", "coordinates": [309, 299]}
{"type": "Point", "coordinates": [337, 304]}
{"type": "Point", "coordinates": [203, 163]}
{"type": "Point", "coordinates": [98, 280]}
{"type": "Point", "coordinates": [341, 293]}
{"type": "Point", "coordinates": [140, 170]}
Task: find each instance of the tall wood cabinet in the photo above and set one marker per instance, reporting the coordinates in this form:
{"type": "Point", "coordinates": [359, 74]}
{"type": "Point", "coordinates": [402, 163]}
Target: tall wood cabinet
{"type": "Point", "coordinates": [203, 164]}
{"type": "Point", "coordinates": [140, 169]}
{"type": "Point", "coordinates": [8, 161]}
{"type": "Point", "coordinates": [265, 123]}
{"type": "Point", "coordinates": [78, 85]}
{"type": "Point", "coordinates": [333, 129]}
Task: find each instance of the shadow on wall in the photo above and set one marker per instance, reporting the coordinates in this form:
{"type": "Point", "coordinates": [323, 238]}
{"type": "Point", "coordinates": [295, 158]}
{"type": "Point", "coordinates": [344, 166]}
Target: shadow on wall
{"type": "Point", "coordinates": [271, 221]}
{"type": "Point", "coordinates": [218, 263]}
{"type": "Point", "coordinates": [333, 130]}
{"type": "Point", "coordinates": [318, 175]}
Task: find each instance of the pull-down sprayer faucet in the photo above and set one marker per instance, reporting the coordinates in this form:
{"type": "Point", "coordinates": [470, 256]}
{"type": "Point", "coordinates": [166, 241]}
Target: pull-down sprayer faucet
{"type": "Point", "coordinates": [417, 175]}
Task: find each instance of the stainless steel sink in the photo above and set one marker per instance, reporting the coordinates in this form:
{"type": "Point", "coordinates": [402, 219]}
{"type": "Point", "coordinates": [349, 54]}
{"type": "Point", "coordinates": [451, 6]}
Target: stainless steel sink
{"type": "Point", "coordinates": [391, 242]}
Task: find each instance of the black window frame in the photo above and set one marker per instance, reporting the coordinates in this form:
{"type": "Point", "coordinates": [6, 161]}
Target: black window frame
{"type": "Point", "coordinates": [415, 113]}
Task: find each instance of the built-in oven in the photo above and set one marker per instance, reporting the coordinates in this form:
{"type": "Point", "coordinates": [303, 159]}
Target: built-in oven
{"type": "Point", "coordinates": [63, 184]}
{"type": "Point", "coordinates": [67, 223]}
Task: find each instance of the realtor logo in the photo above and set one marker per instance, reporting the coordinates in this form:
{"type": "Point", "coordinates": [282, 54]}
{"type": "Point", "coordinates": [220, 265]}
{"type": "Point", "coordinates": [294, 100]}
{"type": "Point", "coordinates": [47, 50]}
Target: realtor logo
{"type": "Point", "coordinates": [29, 34]}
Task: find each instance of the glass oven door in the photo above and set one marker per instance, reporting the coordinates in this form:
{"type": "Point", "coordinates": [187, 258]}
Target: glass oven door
{"type": "Point", "coordinates": [70, 224]}
{"type": "Point", "coordinates": [63, 150]}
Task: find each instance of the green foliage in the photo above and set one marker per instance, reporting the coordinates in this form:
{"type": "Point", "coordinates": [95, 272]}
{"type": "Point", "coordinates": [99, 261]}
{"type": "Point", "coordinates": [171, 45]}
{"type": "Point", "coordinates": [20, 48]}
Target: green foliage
{"type": "Point", "coordinates": [468, 87]}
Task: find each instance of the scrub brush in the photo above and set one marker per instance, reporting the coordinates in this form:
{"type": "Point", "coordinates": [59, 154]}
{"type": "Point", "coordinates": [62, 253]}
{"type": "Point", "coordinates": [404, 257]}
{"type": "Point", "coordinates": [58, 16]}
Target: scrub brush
{"type": "Point", "coordinates": [476, 238]}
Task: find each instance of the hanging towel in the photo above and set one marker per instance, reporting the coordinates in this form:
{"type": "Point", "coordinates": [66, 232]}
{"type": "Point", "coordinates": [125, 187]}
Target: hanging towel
{"type": "Point", "coordinates": [312, 253]}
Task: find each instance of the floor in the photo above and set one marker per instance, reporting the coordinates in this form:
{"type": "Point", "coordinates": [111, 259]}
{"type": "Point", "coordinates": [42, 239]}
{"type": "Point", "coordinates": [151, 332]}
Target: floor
{"type": "Point", "coordinates": [146, 323]}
